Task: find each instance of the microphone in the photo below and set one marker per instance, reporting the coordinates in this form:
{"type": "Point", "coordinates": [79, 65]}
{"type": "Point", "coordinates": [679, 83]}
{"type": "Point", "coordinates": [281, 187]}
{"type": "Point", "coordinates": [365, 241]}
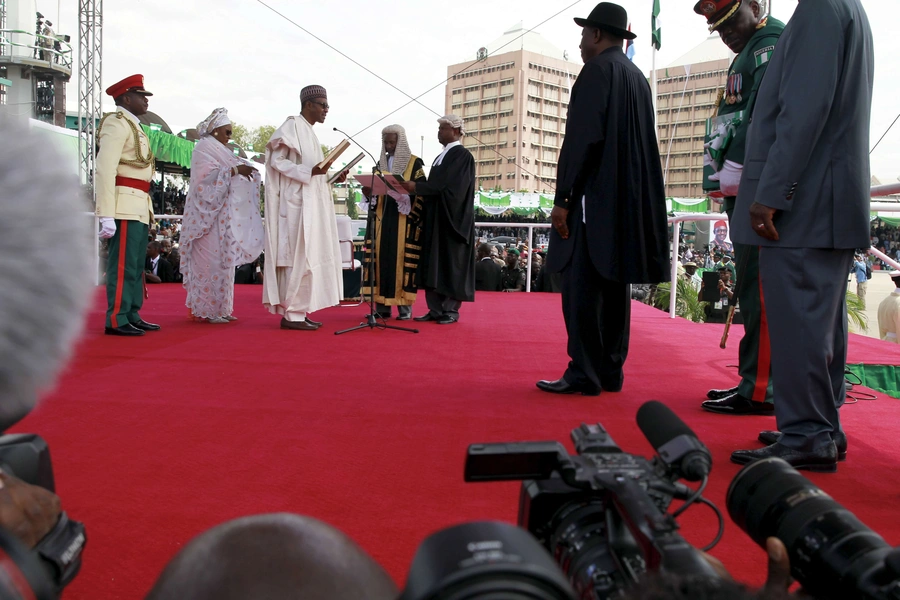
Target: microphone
{"type": "Point", "coordinates": [675, 443]}
{"type": "Point", "coordinates": [350, 137]}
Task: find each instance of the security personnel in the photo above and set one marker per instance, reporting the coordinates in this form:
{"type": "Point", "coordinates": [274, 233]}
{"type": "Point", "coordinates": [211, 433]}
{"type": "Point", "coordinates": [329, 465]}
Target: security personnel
{"type": "Point", "coordinates": [746, 30]}
{"type": "Point", "coordinates": [125, 166]}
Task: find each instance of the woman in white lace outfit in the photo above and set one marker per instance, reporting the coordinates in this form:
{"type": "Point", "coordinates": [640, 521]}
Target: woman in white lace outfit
{"type": "Point", "coordinates": [222, 227]}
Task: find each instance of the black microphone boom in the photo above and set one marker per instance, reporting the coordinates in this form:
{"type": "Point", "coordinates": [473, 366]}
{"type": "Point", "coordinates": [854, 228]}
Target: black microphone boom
{"type": "Point", "coordinates": [349, 137]}
{"type": "Point", "coordinates": [675, 443]}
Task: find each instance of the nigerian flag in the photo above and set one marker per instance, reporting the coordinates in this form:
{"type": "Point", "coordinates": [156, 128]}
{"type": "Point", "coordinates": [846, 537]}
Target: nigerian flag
{"type": "Point", "coordinates": [655, 26]}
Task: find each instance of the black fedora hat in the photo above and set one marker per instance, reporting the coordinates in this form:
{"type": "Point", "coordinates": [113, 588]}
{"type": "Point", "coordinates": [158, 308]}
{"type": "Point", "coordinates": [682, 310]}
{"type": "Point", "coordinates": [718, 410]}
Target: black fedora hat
{"type": "Point", "coordinates": [609, 17]}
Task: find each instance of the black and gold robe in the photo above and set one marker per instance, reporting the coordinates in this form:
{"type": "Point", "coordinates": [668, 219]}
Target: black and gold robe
{"type": "Point", "coordinates": [398, 245]}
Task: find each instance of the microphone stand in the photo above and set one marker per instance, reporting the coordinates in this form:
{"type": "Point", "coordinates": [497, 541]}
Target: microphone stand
{"type": "Point", "coordinates": [371, 321]}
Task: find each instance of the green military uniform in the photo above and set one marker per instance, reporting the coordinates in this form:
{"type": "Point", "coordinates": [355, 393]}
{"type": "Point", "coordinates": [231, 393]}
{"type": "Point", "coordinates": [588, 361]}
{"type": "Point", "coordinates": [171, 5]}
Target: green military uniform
{"type": "Point", "coordinates": [124, 169]}
{"type": "Point", "coordinates": [744, 78]}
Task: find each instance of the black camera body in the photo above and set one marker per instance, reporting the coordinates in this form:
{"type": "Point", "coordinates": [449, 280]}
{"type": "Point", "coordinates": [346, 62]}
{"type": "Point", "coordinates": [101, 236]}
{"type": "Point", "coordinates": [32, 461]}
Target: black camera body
{"type": "Point", "coordinates": [601, 513]}
{"type": "Point", "coordinates": [56, 559]}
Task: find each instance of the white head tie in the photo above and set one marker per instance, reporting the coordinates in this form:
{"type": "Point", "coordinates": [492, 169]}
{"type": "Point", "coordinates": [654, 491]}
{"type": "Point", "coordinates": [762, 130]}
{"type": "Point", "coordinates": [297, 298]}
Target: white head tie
{"type": "Point", "coordinates": [218, 118]}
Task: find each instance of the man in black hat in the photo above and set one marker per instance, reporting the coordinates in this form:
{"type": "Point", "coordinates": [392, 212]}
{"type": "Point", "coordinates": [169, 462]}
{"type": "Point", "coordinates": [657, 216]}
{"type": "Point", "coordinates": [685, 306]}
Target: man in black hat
{"type": "Point", "coordinates": [609, 216]}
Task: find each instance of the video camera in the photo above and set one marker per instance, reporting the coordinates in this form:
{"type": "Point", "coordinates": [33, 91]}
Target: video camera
{"type": "Point", "coordinates": [56, 559]}
{"type": "Point", "coordinates": [600, 513]}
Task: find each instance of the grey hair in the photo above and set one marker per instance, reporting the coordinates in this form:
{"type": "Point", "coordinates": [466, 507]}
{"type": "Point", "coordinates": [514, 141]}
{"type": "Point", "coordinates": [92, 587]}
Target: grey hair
{"type": "Point", "coordinates": [45, 266]}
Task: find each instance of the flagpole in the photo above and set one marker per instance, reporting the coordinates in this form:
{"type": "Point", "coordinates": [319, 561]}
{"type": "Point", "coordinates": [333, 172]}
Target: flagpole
{"type": "Point", "coordinates": [653, 83]}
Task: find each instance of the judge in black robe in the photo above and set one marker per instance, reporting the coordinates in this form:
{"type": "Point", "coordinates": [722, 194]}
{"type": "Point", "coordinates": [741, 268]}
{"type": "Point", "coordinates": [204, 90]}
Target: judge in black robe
{"type": "Point", "coordinates": [447, 263]}
{"type": "Point", "coordinates": [609, 217]}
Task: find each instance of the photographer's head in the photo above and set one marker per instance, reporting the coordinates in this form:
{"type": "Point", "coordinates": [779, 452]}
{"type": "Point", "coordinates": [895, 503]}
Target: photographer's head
{"type": "Point", "coordinates": [45, 270]}
{"type": "Point", "coordinates": [277, 556]}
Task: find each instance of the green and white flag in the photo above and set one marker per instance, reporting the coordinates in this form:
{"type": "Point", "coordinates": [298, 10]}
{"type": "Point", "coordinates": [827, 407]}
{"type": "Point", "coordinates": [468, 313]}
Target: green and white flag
{"type": "Point", "coordinates": [763, 55]}
{"type": "Point", "coordinates": [655, 26]}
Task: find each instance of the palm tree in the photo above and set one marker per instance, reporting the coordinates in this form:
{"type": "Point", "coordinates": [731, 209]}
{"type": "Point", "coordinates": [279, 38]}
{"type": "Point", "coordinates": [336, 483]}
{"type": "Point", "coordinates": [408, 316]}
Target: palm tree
{"type": "Point", "coordinates": [687, 303]}
{"type": "Point", "coordinates": [856, 312]}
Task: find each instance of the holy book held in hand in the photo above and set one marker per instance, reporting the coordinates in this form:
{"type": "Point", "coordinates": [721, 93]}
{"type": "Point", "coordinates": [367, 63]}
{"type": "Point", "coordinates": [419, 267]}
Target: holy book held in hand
{"type": "Point", "coordinates": [333, 155]}
{"type": "Point", "coordinates": [347, 167]}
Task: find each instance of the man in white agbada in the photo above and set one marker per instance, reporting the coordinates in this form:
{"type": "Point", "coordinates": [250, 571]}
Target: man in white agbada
{"type": "Point", "coordinates": [303, 265]}
{"type": "Point", "coordinates": [222, 228]}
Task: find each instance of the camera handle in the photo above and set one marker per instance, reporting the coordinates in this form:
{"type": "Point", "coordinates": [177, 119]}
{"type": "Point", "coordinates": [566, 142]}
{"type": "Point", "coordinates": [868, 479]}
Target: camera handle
{"type": "Point", "coordinates": [654, 531]}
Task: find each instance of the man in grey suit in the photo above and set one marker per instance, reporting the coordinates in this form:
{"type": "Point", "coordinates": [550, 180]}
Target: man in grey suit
{"type": "Point", "coordinates": [804, 199]}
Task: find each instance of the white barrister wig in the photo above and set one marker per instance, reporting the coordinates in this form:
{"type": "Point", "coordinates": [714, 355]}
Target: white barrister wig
{"type": "Point", "coordinates": [454, 121]}
{"type": "Point", "coordinates": [47, 241]}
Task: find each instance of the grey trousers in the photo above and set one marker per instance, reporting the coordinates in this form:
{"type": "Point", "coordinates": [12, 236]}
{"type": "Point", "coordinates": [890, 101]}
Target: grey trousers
{"type": "Point", "coordinates": [804, 294]}
{"type": "Point", "coordinates": [386, 310]}
{"type": "Point", "coordinates": [439, 305]}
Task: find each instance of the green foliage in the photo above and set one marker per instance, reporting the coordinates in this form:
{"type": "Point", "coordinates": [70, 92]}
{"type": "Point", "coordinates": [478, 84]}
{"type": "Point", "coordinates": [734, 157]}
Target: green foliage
{"type": "Point", "coordinates": [687, 303]}
{"type": "Point", "coordinates": [254, 140]}
{"type": "Point", "coordinates": [260, 137]}
{"type": "Point", "coordinates": [856, 313]}
{"type": "Point", "coordinates": [352, 210]}
{"type": "Point", "coordinates": [262, 199]}
{"type": "Point", "coordinates": [688, 306]}
{"type": "Point", "coordinates": [240, 135]}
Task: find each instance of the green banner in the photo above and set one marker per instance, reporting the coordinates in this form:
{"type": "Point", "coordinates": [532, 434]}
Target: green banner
{"type": "Point", "coordinates": [494, 199]}
{"type": "Point", "coordinates": [170, 148]}
{"type": "Point", "coordinates": [881, 378]}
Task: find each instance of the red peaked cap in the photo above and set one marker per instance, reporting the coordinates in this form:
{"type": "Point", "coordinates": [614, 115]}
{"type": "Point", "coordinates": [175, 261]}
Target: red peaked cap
{"type": "Point", "coordinates": [135, 83]}
{"type": "Point", "coordinates": [714, 10]}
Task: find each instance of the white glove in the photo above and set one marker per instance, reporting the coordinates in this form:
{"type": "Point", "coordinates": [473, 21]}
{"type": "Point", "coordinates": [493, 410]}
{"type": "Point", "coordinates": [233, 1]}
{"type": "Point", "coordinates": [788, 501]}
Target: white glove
{"type": "Point", "coordinates": [107, 227]}
{"type": "Point", "coordinates": [729, 178]}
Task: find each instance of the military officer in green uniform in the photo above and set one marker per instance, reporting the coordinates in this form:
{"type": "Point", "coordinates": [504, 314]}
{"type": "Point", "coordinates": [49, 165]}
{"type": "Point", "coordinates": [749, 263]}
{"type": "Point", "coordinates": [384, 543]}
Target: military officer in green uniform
{"type": "Point", "coordinates": [124, 169]}
{"type": "Point", "coordinates": [748, 32]}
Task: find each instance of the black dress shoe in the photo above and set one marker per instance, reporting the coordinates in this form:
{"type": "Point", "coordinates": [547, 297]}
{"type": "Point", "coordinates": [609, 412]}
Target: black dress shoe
{"type": "Point", "coordinates": [823, 460]}
{"type": "Point", "coordinates": [840, 441]}
{"type": "Point", "coordinates": [141, 324]}
{"type": "Point", "coordinates": [405, 317]}
{"type": "Point", "coordinates": [719, 394]}
{"type": "Point", "coordinates": [125, 330]}
{"type": "Point", "coordinates": [738, 405]}
{"type": "Point", "coordinates": [426, 317]}
{"type": "Point", "coordinates": [446, 320]}
{"type": "Point", "coordinates": [561, 386]}
{"type": "Point", "coordinates": [381, 315]}
{"type": "Point", "coordinates": [311, 322]}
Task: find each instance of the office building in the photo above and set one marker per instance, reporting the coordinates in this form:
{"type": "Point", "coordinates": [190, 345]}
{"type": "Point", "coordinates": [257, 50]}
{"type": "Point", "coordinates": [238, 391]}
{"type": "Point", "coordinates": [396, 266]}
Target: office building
{"type": "Point", "coordinates": [514, 95]}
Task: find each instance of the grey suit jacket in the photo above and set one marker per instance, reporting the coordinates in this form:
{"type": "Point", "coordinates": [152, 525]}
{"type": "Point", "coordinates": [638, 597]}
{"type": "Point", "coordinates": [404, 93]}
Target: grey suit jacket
{"type": "Point", "coordinates": [808, 139]}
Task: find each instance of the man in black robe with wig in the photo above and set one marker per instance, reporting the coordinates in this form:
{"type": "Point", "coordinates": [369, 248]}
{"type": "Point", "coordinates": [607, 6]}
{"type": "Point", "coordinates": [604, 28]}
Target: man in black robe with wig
{"type": "Point", "coordinates": [397, 235]}
{"type": "Point", "coordinates": [609, 216]}
{"type": "Point", "coordinates": [447, 263]}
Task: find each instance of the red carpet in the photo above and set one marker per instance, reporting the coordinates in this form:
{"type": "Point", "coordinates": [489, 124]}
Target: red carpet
{"type": "Point", "coordinates": [157, 439]}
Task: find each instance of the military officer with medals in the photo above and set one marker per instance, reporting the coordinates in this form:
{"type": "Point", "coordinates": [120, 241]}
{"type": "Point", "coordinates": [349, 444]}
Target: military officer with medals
{"type": "Point", "coordinates": [748, 32]}
{"type": "Point", "coordinates": [125, 166]}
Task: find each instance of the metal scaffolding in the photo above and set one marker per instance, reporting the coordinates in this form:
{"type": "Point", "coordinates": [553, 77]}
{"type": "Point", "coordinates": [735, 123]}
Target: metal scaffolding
{"type": "Point", "coordinates": [90, 84]}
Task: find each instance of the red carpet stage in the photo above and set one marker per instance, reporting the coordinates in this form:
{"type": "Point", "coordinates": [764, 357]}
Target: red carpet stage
{"type": "Point", "coordinates": [157, 439]}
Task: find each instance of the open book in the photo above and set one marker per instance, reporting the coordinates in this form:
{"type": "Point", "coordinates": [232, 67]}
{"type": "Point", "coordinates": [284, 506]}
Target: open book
{"type": "Point", "coordinates": [349, 166]}
{"type": "Point", "coordinates": [333, 155]}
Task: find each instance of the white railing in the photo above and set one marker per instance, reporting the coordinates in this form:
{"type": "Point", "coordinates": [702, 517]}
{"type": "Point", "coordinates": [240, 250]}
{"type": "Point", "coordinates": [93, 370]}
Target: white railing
{"type": "Point", "coordinates": [529, 226]}
{"type": "Point", "coordinates": [676, 221]}
{"type": "Point", "coordinates": [42, 43]}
